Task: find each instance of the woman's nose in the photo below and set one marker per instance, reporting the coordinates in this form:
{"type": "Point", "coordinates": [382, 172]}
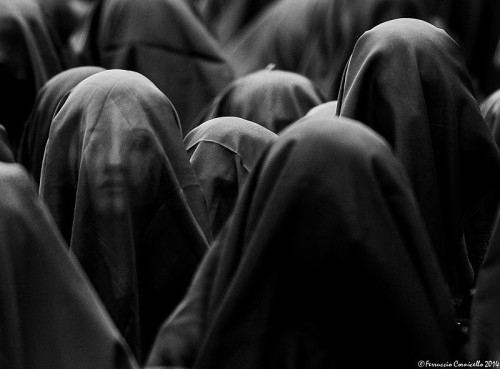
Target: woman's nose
{"type": "Point", "coordinates": [115, 155]}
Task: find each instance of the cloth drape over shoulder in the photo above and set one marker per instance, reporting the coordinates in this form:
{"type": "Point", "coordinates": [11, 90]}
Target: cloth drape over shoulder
{"type": "Point", "coordinates": [223, 151]}
{"type": "Point", "coordinates": [118, 182]}
{"type": "Point", "coordinates": [50, 317]}
{"type": "Point", "coordinates": [165, 41]}
{"type": "Point", "coordinates": [272, 98]}
{"type": "Point", "coordinates": [325, 257]}
{"type": "Point", "coordinates": [314, 37]}
{"type": "Point", "coordinates": [47, 103]}
{"type": "Point", "coordinates": [408, 81]}
{"type": "Point", "coordinates": [28, 58]}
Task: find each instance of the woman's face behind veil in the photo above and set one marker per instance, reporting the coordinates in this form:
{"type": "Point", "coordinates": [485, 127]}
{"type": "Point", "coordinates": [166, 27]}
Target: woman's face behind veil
{"type": "Point", "coordinates": [123, 160]}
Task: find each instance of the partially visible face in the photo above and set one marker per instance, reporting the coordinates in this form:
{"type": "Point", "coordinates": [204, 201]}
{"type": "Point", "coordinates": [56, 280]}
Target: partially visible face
{"type": "Point", "coordinates": [124, 166]}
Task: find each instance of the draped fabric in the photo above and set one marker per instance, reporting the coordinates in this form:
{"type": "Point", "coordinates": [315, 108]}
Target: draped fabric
{"type": "Point", "coordinates": [474, 25]}
{"type": "Point", "coordinates": [47, 103]}
{"type": "Point", "coordinates": [223, 151]}
{"type": "Point", "coordinates": [118, 182]}
{"type": "Point", "coordinates": [484, 341]}
{"type": "Point", "coordinates": [166, 42]}
{"type": "Point", "coordinates": [325, 256]}
{"type": "Point", "coordinates": [226, 18]}
{"type": "Point", "coordinates": [490, 109]}
{"type": "Point", "coordinates": [325, 110]}
{"type": "Point", "coordinates": [28, 58]}
{"type": "Point", "coordinates": [6, 154]}
{"type": "Point", "coordinates": [272, 98]}
{"type": "Point", "coordinates": [66, 19]}
{"type": "Point", "coordinates": [315, 37]}
{"type": "Point", "coordinates": [408, 81]}
{"type": "Point", "coordinates": [49, 314]}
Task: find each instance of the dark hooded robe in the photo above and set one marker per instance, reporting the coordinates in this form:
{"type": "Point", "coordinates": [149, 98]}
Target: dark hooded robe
{"type": "Point", "coordinates": [28, 59]}
{"type": "Point", "coordinates": [50, 317]}
{"type": "Point", "coordinates": [166, 42]}
{"type": "Point", "coordinates": [118, 182]}
{"type": "Point", "coordinates": [407, 80]}
{"type": "Point", "coordinates": [324, 263]}
{"type": "Point", "coordinates": [36, 130]}
{"type": "Point", "coordinates": [315, 37]}
{"type": "Point", "coordinates": [223, 151]}
{"type": "Point", "coordinates": [272, 98]}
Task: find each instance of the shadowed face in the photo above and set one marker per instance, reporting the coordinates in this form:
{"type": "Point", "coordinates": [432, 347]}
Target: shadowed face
{"type": "Point", "coordinates": [124, 165]}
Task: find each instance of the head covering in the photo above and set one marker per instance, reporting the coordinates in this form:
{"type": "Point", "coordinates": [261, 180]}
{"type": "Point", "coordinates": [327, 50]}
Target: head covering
{"type": "Point", "coordinates": [50, 317]}
{"type": "Point", "coordinates": [36, 130]}
{"type": "Point", "coordinates": [326, 110]}
{"type": "Point", "coordinates": [407, 80]}
{"type": "Point", "coordinates": [118, 181]}
{"type": "Point", "coordinates": [490, 109]}
{"type": "Point", "coordinates": [315, 37]}
{"type": "Point", "coordinates": [223, 151]}
{"type": "Point", "coordinates": [484, 342]}
{"type": "Point", "coordinates": [272, 98]}
{"type": "Point", "coordinates": [166, 42]}
{"type": "Point", "coordinates": [227, 18]}
{"type": "Point", "coordinates": [324, 258]}
{"type": "Point", "coordinates": [28, 59]}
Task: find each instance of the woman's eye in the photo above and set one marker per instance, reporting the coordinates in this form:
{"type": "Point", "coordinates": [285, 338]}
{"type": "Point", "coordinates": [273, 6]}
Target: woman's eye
{"type": "Point", "coordinates": [140, 143]}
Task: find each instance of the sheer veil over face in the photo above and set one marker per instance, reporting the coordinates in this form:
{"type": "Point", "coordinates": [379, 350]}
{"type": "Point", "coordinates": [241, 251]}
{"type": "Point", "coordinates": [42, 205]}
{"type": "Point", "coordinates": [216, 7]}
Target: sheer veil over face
{"type": "Point", "coordinates": [408, 81]}
{"type": "Point", "coordinates": [118, 181]}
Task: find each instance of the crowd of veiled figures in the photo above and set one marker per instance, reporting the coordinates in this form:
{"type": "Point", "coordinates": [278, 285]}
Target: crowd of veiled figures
{"type": "Point", "coordinates": [249, 184]}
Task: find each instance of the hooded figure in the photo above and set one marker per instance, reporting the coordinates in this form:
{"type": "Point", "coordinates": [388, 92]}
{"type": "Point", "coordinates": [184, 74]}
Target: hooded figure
{"type": "Point", "coordinates": [490, 109]}
{"type": "Point", "coordinates": [166, 42]}
{"type": "Point", "coordinates": [324, 257]}
{"type": "Point", "coordinates": [226, 18]}
{"type": "Point", "coordinates": [407, 80]}
{"type": "Point", "coordinates": [314, 37]}
{"type": "Point", "coordinates": [36, 130]}
{"type": "Point", "coordinates": [28, 58]}
{"type": "Point", "coordinates": [223, 152]}
{"type": "Point", "coordinates": [67, 19]}
{"type": "Point", "coordinates": [50, 317]}
{"type": "Point", "coordinates": [272, 98]}
{"type": "Point", "coordinates": [118, 182]}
